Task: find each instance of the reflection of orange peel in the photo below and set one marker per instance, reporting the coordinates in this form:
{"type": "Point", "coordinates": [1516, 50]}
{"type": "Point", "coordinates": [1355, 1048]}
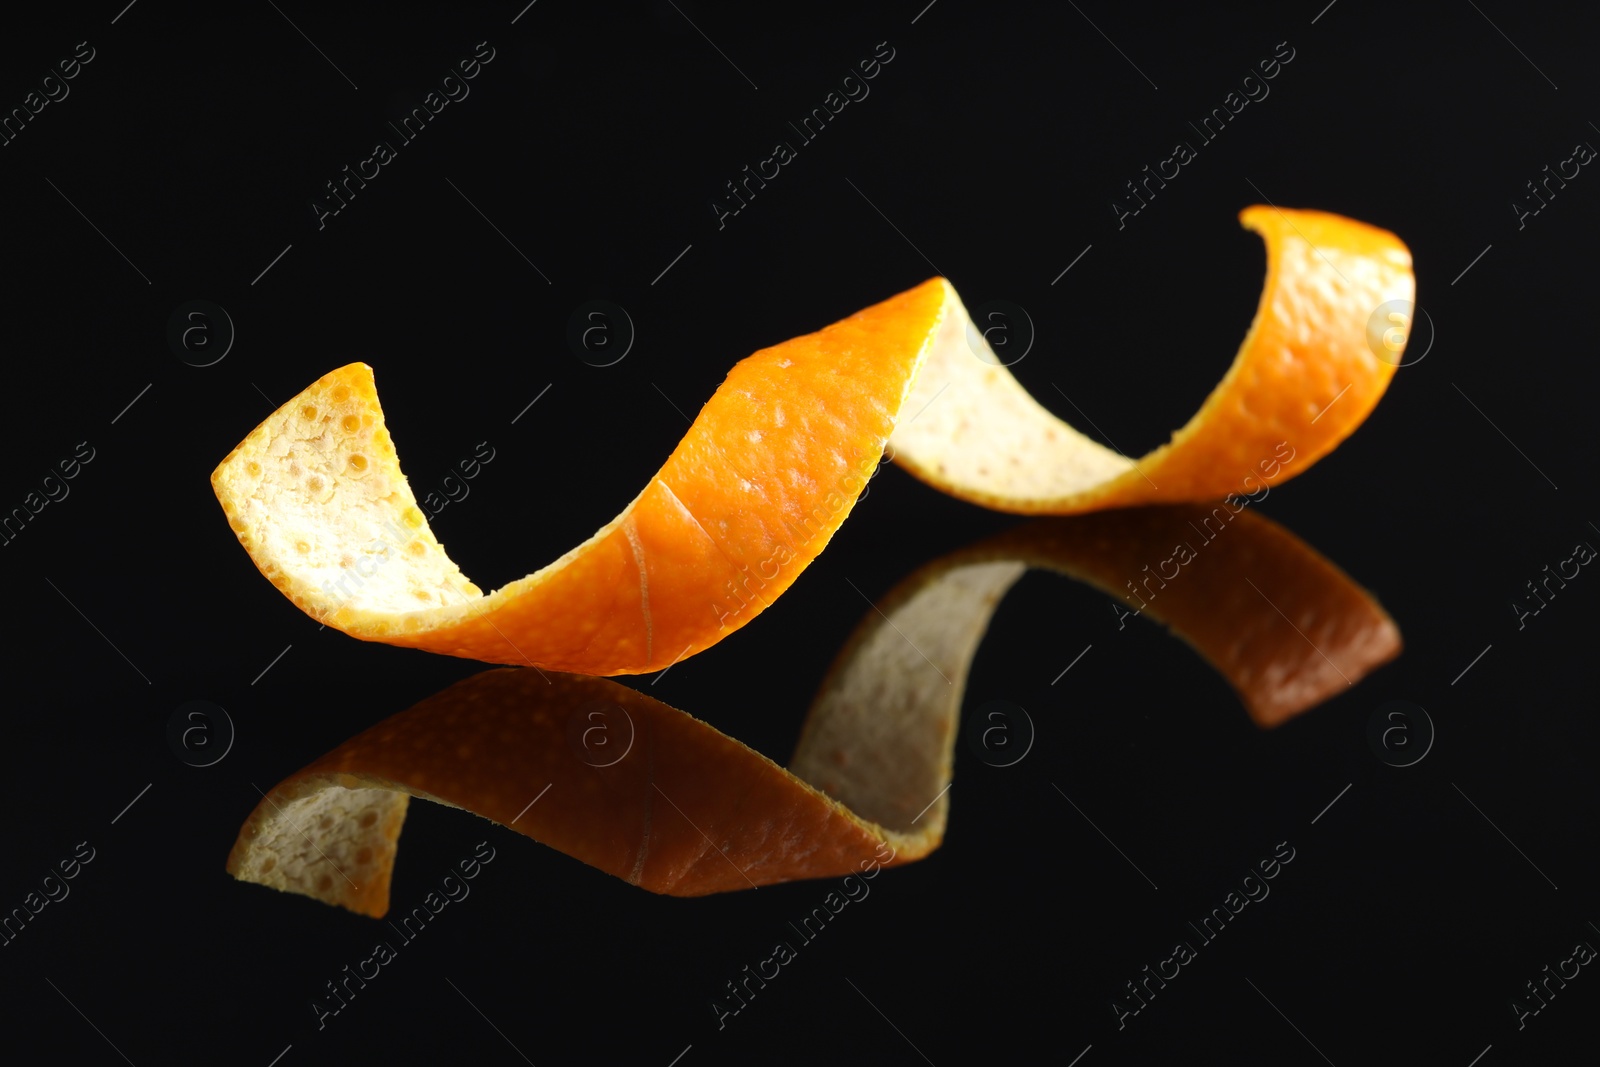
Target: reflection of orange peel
{"type": "Point", "coordinates": [689, 811]}
{"type": "Point", "coordinates": [778, 456]}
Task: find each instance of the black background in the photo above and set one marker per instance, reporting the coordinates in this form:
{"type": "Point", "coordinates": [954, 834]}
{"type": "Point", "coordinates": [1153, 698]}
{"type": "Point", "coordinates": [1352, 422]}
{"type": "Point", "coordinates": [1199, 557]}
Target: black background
{"type": "Point", "coordinates": [995, 141]}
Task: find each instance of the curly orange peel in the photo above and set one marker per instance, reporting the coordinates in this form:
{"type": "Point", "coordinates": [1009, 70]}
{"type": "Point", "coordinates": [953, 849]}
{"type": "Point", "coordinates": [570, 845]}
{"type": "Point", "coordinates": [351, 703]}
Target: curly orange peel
{"type": "Point", "coordinates": [778, 456]}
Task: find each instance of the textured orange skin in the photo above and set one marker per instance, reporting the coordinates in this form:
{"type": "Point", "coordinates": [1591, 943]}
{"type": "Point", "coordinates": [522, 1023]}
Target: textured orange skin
{"type": "Point", "coordinates": [1308, 341]}
{"type": "Point", "coordinates": [725, 526]}
{"type": "Point", "coordinates": [710, 547]}
{"type": "Point", "coordinates": [732, 518]}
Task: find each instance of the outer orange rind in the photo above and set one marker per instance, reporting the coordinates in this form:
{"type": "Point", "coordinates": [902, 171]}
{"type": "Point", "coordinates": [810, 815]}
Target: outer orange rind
{"type": "Point", "coordinates": [619, 780]}
{"type": "Point", "coordinates": [778, 456]}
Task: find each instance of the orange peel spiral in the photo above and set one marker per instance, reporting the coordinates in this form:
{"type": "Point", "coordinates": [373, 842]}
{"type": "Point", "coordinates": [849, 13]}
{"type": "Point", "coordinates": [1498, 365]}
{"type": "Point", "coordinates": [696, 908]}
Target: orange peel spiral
{"type": "Point", "coordinates": [776, 459]}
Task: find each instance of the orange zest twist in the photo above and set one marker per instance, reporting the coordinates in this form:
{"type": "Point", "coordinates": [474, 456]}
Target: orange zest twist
{"type": "Point", "coordinates": [778, 456]}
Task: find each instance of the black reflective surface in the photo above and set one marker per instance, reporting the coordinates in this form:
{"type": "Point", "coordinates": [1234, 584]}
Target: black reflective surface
{"type": "Point", "coordinates": [1412, 898]}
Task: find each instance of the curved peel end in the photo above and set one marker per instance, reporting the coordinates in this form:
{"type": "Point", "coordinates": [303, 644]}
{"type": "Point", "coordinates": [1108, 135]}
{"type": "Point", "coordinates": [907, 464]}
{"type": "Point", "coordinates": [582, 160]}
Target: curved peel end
{"type": "Point", "coordinates": [325, 837]}
{"type": "Point", "coordinates": [316, 496]}
{"type": "Point", "coordinates": [977, 434]}
{"type": "Point", "coordinates": [1378, 642]}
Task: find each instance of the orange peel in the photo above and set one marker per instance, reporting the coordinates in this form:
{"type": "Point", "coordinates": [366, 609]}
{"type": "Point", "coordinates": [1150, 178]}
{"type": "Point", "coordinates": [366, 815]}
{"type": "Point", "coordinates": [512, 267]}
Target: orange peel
{"type": "Point", "coordinates": [1305, 374]}
{"type": "Point", "coordinates": [777, 457]}
{"type": "Point", "coordinates": [867, 784]}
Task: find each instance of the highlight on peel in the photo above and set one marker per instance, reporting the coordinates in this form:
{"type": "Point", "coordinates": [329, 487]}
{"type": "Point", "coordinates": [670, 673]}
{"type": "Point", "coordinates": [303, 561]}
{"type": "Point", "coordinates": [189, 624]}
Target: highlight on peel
{"type": "Point", "coordinates": [778, 456]}
{"type": "Point", "coordinates": [663, 801]}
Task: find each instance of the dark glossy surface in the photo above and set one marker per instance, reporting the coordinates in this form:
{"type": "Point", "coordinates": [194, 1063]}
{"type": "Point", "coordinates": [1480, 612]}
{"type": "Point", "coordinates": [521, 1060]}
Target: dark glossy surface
{"type": "Point", "coordinates": [993, 144]}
